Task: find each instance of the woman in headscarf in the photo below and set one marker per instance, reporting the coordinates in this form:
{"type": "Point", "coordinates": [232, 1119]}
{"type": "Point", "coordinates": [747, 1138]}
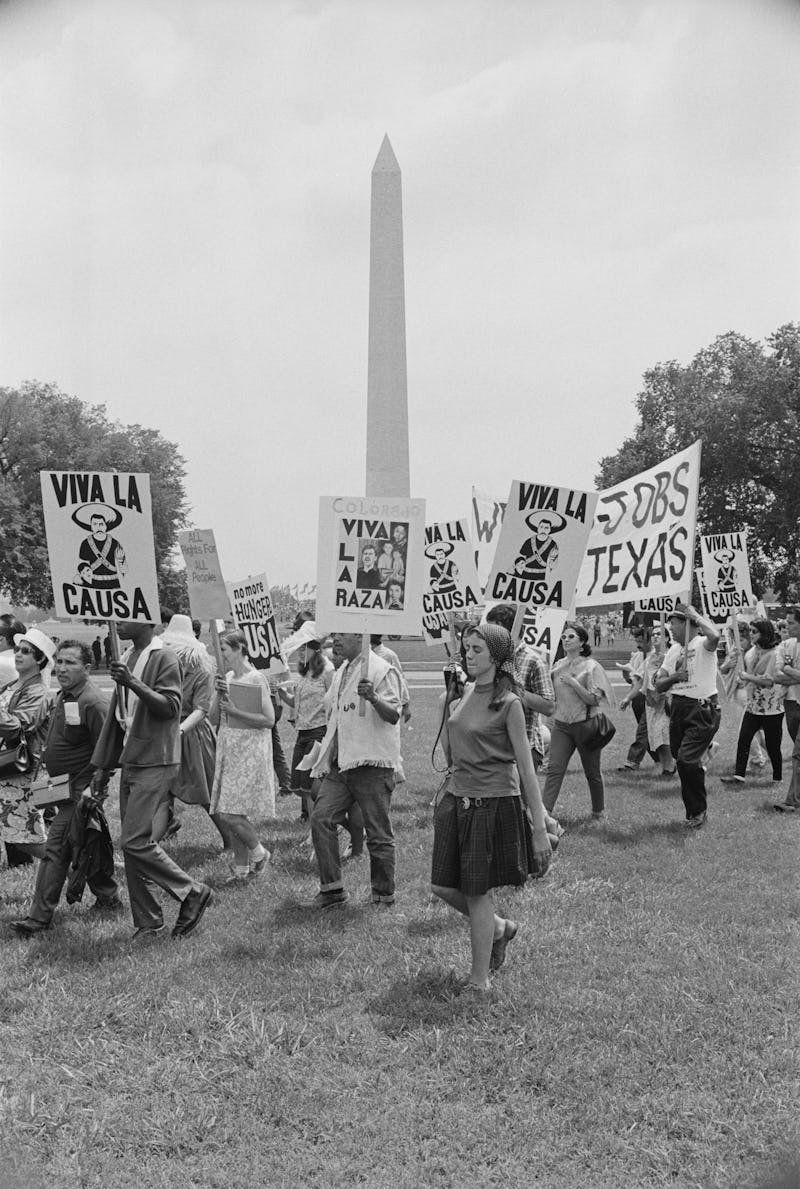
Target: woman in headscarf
{"type": "Point", "coordinates": [307, 700]}
{"type": "Point", "coordinates": [24, 715]}
{"type": "Point", "coordinates": [198, 740]}
{"type": "Point", "coordinates": [764, 709]}
{"type": "Point", "coordinates": [580, 686]}
{"type": "Point", "coordinates": [482, 825]}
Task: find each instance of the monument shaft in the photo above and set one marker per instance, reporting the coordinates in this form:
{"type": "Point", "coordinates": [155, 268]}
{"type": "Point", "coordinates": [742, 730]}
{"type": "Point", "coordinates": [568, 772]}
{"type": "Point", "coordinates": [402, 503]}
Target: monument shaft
{"type": "Point", "coordinates": [387, 385]}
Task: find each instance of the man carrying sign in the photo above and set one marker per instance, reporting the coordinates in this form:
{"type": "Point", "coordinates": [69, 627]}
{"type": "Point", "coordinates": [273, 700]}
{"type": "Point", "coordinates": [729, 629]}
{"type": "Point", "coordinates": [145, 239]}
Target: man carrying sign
{"type": "Point", "coordinates": [357, 763]}
{"type": "Point", "coordinates": [689, 675]}
{"type": "Point", "coordinates": [141, 733]}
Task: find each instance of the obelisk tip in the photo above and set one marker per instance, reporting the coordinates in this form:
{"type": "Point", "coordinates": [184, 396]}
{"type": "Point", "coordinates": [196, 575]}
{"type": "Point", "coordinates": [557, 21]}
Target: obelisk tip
{"type": "Point", "coordinates": [386, 162]}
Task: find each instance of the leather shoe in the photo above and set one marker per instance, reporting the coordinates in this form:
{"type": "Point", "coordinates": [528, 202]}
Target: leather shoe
{"type": "Point", "coordinates": [498, 955]}
{"type": "Point", "coordinates": [29, 928]}
{"type": "Point", "coordinates": [192, 910]}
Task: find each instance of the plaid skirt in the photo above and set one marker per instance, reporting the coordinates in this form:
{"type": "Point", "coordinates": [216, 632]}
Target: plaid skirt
{"type": "Point", "coordinates": [488, 845]}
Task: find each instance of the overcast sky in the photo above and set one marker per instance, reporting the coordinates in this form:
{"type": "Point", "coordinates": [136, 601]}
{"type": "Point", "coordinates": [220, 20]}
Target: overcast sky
{"type": "Point", "coordinates": [589, 188]}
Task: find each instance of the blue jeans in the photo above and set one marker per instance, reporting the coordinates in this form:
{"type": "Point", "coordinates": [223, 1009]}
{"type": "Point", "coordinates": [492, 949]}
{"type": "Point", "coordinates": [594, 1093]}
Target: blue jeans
{"type": "Point", "coordinates": [371, 788]}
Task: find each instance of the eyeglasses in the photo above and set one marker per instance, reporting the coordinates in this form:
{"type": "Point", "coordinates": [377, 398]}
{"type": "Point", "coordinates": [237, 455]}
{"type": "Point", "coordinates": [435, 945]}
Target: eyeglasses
{"type": "Point", "coordinates": [570, 636]}
{"type": "Point", "coordinates": [22, 650]}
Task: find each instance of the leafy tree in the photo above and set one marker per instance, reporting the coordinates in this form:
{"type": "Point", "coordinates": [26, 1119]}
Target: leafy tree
{"type": "Point", "coordinates": [743, 399]}
{"type": "Point", "coordinates": [41, 429]}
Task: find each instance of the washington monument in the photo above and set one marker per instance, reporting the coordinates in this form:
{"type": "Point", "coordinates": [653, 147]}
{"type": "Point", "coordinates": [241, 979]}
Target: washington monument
{"type": "Point", "coordinates": [387, 387]}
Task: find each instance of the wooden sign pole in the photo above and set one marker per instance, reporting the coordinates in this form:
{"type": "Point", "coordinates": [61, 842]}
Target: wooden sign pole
{"type": "Point", "coordinates": [114, 639]}
{"type": "Point", "coordinates": [365, 651]}
{"type": "Point", "coordinates": [516, 627]}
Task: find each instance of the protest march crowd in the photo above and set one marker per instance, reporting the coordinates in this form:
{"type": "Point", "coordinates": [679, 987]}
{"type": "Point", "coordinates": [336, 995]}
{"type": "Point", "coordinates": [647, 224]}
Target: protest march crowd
{"type": "Point", "coordinates": [176, 729]}
{"type": "Point", "coordinates": [522, 692]}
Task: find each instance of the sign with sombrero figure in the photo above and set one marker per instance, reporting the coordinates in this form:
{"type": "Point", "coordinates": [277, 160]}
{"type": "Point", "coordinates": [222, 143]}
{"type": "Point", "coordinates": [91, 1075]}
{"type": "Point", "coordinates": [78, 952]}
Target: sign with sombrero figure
{"type": "Point", "coordinates": [100, 542]}
{"type": "Point", "coordinates": [541, 545]}
{"type": "Point", "coordinates": [726, 573]}
{"type": "Point", "coordinates": [370, 564]}
{"type": "Point", "coordinates": [451, 585]}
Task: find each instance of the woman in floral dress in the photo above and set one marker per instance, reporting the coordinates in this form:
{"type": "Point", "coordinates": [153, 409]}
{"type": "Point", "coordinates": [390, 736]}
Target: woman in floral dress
{"type": "Point", "coordinates": [244, 783]}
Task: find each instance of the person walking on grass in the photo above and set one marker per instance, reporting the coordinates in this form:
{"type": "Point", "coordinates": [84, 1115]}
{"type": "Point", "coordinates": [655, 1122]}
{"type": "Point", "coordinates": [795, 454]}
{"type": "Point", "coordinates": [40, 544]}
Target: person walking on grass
{"type": "Point", "coordinates": [141, 734]}
{"type": "Point", "coordinates": [580, 686]}
{"type": "Point", "coordinates": [764, 708]}
{"type": "Point", "coordinates": [357, 763]}
{"type": "Point", "coordinates": [243, 790]}
{"type": "Point", "coordinates": [489, 825]}
{"type": "Point", "coordinates": [787, 673]}
{"type": "Point", "coordinates": [689, 675]}
{"type": "Point", "coordinates": [633, 672]}
{"type": "Point", "coordinates": [75, 725]}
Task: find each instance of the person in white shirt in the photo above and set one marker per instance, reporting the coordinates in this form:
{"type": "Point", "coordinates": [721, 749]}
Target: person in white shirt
{"type": "Point", "coordinates": [695, 714]}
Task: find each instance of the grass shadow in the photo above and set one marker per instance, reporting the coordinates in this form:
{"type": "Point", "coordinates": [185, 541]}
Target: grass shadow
{"type": "Point", "coordinates": [429, 999]}
{"type": "Point", "coordinates": [291, 912]}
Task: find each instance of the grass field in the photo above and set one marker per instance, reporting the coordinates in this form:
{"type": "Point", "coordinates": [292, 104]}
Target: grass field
{"type": "Point", "coordinates": [642, 1033]}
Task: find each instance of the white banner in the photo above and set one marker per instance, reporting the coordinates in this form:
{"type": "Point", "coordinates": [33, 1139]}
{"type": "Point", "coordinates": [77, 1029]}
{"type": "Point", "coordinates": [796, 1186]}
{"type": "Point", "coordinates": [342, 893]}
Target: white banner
{"type": "Point", "coordinates": [642, 540]}
{"type": "Point", "coordinates": [99, 529]}
{"type": "Point", "coordinates": [541, 545]}
{"type": "Point", "coordinates": [370, 558]}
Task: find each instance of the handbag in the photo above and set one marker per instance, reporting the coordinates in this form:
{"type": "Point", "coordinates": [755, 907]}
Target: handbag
{"type": "Point", "coordinates": [595, 731]}
{"type": "Point", "coordinates": [50, 790]}
{"type": "Point", "coordinates": [14, 757]}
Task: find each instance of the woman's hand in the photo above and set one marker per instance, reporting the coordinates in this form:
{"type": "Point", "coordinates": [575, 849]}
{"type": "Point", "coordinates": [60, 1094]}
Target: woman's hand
{"type": "Point", "coordinates": [221, 687]}
{"type": "Point", "coordinates": [542, 851]}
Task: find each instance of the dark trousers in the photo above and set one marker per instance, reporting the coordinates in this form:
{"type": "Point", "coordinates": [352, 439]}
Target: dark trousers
{"type": "Point", "coordinates": [279, 763]}
{"type": "Point", "coordinates": [301, 781]}
{"type": "Point", "coordinates": [772, 726]}
{"type": "Point", "coordinates": [692, 726]}
{"type": "Point", "coordinates": [147, 867]}
{"type": "Point", "coordinates": [563, 742]}
{"type": "Point", "coordinates": [639, 749]}
{"type": "Point", "coordinates": [54, 869]}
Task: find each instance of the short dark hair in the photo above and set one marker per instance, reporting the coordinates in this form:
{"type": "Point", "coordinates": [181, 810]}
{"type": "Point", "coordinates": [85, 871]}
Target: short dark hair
{"type": "Point", "coordinates": [582, 634]}
{"type": "Point", "coordinates": [504, 614]}
{"type": "Point", "coordinates": [79, 646]}
{"type": "Point", "coordinates": [794, 612]}
{"type": "Point", "coordinates": [10, 627]}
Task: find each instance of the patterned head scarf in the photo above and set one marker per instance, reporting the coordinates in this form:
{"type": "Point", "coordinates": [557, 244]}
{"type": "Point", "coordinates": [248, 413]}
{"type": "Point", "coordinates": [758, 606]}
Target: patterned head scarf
{"type": "Point", "coordinates": [500, 644]}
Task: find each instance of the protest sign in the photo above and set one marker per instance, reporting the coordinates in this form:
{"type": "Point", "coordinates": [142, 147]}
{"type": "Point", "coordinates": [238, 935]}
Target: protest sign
{"type": "Point", "coordinates": [541, 627]}
{"type": "Point", "coordinates": [664, 605]}
{"type": "Point", "coordinates": [642, 539]}
{"type": "Point", "coordinates": [208, 596]}
{"type": "Point", "coordinates": [99, 528]}
{"type": "Point", "coordinates": [251, 606]}
{"type": "Point", "coordinates": [487, 520]}
{"type": "Point", "coordinates": [451, 578]}
{"type": "Point", "coordinates": [370, 571]}
{"type": "Point", "coordinates": [541, 545]}
{"type": "Point", "coordinates": [726, 573]}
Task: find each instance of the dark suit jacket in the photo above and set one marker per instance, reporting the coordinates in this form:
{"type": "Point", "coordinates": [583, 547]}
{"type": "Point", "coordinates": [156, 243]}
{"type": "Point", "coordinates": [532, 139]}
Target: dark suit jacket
{"type": "Point", "coordinates": [151, 742]}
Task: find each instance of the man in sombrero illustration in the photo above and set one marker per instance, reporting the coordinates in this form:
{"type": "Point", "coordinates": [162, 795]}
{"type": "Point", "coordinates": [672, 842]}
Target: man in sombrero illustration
{"type": "Point", "coordinates": [539, 554]}
{"type": "Point", "coordinates": [101, 558]}
{"type": "Point", "coordinates": [444, 573]}
{"type": "Point", "coordinates": [727, 579]}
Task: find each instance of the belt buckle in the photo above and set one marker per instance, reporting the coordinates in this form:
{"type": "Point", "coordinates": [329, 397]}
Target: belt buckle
{"type": "Point", "coordinates": [465, 802]}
